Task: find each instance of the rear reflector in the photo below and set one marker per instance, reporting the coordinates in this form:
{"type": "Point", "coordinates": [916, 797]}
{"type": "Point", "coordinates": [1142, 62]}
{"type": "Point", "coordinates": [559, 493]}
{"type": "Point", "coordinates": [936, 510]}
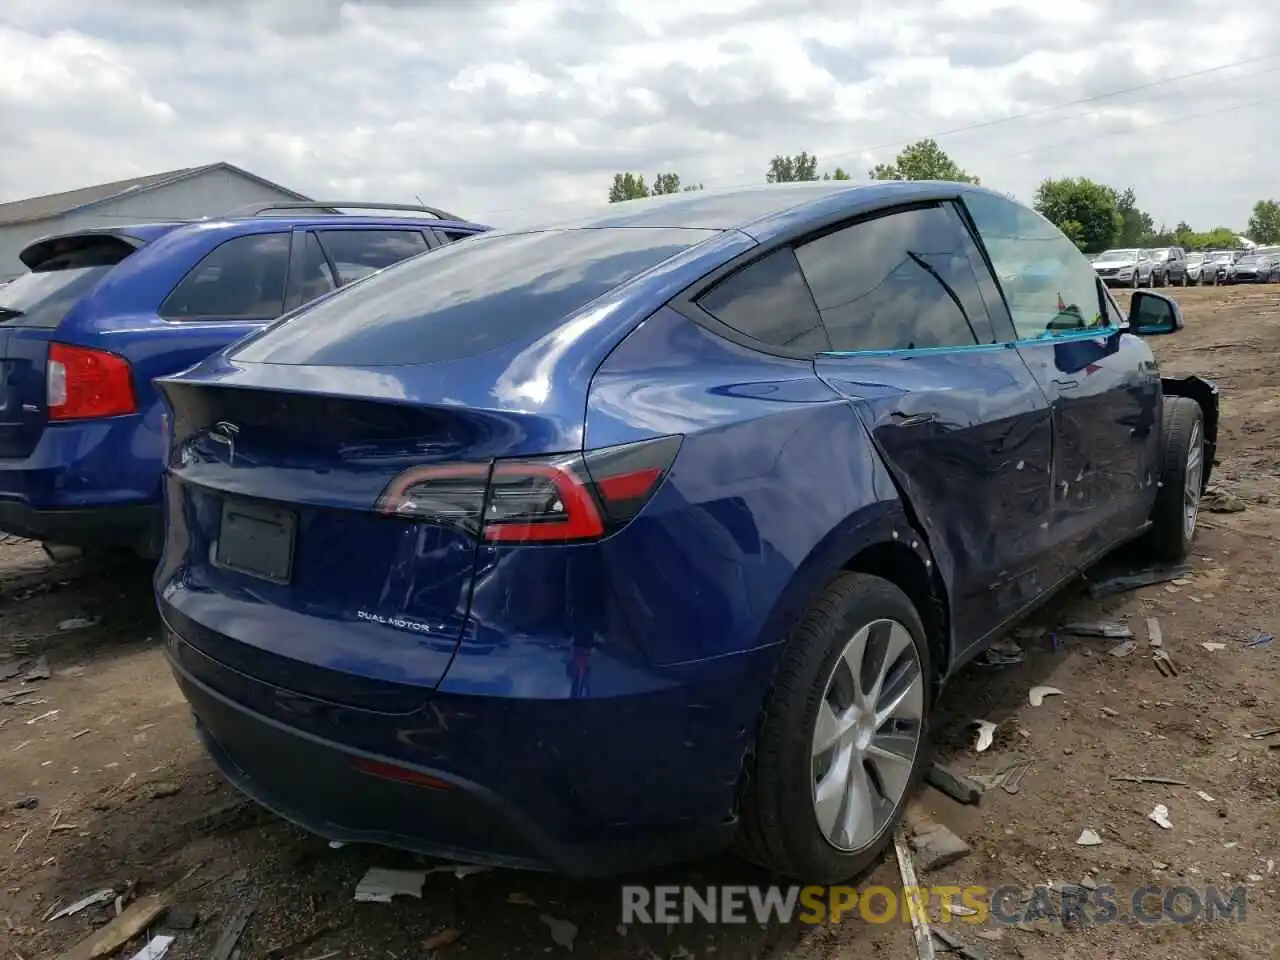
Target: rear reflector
{"type": "Point", "coordinates": [567, 498]}
{"type": "Point", "coordinates": [391, 771]}
{"type": "Point", "coordinates": [85, 384]}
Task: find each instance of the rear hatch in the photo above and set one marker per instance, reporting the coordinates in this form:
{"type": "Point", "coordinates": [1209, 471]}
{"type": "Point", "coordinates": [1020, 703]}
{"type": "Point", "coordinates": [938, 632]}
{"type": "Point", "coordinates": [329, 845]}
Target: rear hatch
{"type": "Point", "coordinates": [332, 480]}
{"type": "Point", "coordinates": [63, 271]}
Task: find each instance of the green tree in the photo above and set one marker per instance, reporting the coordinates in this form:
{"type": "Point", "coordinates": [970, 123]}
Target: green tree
{"type": "Point", "coordinates": [792, 169]}
{"type": "Point", "coordinates": [922, 160]}
{"type": "Point", "coordinates": [1085, 211]}
{"type": "Point", "coordinates": [664, 183]}
{"type": "Point", "coordinates": [627, 186]}
{"type": "Point", "coordinates": [690, 187]}
{"type": "Point", "coordinates": [1137, 229]}
{"type": "Point", "coordinates": [1219, 238]}
{"type": "Point", "coordinates": [837, 174]}
{"type": "Point", "coordinates": [1264, 224]}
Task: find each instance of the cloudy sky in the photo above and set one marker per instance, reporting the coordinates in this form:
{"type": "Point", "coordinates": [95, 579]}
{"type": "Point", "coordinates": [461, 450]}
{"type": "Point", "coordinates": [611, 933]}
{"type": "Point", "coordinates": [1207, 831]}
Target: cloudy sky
{"type": "Point", "coordinates": [511, 110]}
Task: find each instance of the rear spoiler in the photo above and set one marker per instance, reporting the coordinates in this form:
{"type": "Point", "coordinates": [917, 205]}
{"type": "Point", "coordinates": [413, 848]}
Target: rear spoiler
{"type": "Point", "coordinates": [45, 249]}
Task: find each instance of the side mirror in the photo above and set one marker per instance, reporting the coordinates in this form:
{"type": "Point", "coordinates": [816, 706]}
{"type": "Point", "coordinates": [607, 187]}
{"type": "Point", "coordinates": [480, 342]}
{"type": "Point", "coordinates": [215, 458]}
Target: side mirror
{"type": "Point", "coordinates": [1153, 314]}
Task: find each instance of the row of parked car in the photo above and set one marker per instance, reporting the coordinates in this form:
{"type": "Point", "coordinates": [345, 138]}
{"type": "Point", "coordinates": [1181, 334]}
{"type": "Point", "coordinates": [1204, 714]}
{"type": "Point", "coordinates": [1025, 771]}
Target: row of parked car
{"type": "Point", "coordinates": [1173, 266]}
{"type": "Point", "coordinates": [598, 545]}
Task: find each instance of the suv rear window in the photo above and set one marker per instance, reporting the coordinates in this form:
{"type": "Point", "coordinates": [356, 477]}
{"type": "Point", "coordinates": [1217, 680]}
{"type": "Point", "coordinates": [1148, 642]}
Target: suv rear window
{"type": "Point", "coordinates": [42, 297]}
{"type": "Point", "coordinates": [467, 298]}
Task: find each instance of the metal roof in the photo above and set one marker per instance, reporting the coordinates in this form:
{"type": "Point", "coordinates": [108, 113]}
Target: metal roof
{"type": "Point", "coordinates": [55, 204]}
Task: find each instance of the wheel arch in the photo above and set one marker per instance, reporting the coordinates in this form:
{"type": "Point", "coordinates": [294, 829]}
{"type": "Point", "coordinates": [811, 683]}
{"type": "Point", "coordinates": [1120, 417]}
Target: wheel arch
{"type": "Point", "coordinates": [1206, 394]}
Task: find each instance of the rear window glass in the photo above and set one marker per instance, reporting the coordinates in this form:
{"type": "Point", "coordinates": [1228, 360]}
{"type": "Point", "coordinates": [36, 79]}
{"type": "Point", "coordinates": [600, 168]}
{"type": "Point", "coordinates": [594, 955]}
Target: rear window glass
{"type": "Point", "coordinates": [465, 299]}
{"type": "Point", "coordinates": [44, 296]}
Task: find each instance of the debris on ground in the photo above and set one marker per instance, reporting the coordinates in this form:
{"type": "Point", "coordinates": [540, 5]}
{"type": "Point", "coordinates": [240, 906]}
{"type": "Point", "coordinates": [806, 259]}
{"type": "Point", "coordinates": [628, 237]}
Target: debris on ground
{"type": "Point", "coordinates": [9, 668]}
{"type": "Point", "coordinates": [1037, 694]}
{"type": "Point", "coordinates": [1133, 581]}
{"type": "Point", "coordinates": [1263, 733]}
{"type": "Point", "coordinates": [956, 946]}
{"type": "Point", "coordinates": [1106, 629]}
{"type": "Point", "coordinates": [955, 785]}
{"type": "Point", "coordinates": [1002, 653]}
{"type": "Point", "coordinates": [231, 933]}
{"type": "Point", "coordinates": [986, 734]}
{"type": "Point", "coordinates": [1123, 649]}
{"type": "Point", "coordinates": [130, 924]}
{"type": "Point", "coordinates": [155, 949]}
{"type": "Point", "coordinates": [75, 623]}
{"type": "Point", "coordinates": [1155, 637]}
{"type": "Point", "coordinates": [105, 895]}
{"type": "Point", "coordinates": [442, 939]}
{"type": "Point", "coordinates": [1160, 816]}
{"type": "Point", "coordinates": [935, 845]}
{"type": "Point", "coordinates": [1164, 663]}
{"type": "Point", "coordinates": [920, 929]}
{"type": "Point", "coordinates": [1259, 641]}
{"type": "Point", "coordinates": [563, 933]}
{"type": "Point", "coordinates": [1012, 781]}
{"type": "Point", "coordinates": [1088, 838]}
{"type": "Point", "coordinates": [1143, 778]}
{"type": "Point", "coordinates": [162, 789]}
{"type": "Point", "coordinates": [521, 899]}
{"type": "Point", "coordinates": [380, 885]}
{"type": "Point", "coordinates": [1212, 647]}
{"type": "Point", "coordinates": [38, 671]}
{"type": "Point", "coordinates": [460, 870]}
{"type": "Point", "coordinates": [1217, 500]}
{"type": "Point", "coordinates": [26, 803]}
{"type": "Point", "coordinates": [1205, 797]}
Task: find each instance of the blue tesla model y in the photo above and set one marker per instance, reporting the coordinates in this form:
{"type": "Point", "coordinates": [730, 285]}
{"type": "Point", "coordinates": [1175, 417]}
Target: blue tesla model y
{"type": "Point", "coordinates": [617, 542]}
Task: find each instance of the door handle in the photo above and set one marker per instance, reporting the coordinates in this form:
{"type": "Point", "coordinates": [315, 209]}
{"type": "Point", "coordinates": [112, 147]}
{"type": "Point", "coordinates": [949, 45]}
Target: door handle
{"type": "Point", "coordinates": [910, 420]}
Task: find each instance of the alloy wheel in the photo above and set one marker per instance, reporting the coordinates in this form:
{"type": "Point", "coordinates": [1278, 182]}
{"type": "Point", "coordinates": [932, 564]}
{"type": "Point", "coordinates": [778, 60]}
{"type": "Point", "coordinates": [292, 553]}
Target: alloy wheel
{"type": "Point", "coordinates": [867, 735]}
{"type": "Point", "coordinates": [1195, 479]}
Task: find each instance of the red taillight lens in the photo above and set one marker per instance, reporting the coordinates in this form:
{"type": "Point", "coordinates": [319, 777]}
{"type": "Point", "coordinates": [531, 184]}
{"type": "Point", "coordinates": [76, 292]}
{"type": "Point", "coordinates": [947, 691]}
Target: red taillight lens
{"type": "Point", "coordinates": [84, 384]}
{"type": "Point", "coordinates": [562, 499]}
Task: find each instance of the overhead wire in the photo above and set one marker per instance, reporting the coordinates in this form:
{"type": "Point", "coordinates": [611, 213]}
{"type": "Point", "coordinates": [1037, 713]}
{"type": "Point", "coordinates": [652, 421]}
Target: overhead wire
{"type": "Point", "coordinates": [986, 124]}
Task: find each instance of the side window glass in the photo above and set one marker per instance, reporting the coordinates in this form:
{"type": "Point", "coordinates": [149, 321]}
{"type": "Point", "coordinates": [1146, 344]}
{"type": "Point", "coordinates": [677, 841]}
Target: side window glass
{"type": "Point", "coordinates": [315, 278]}
{"type": "Point", "coordinates": [241, 279]}
{"type": "Point", "coordinates": [449, 236]}
{"type": "Point", "coordinates": [768, 301]}
{"type": "Point", "coordinates": [903, 281]}
{"type": "Point", "coordinates": [1115, 318]}
{"type": "Point", "coordinates": [358, 253]}
{"type": "Point", "coordinates": [1050, 286]}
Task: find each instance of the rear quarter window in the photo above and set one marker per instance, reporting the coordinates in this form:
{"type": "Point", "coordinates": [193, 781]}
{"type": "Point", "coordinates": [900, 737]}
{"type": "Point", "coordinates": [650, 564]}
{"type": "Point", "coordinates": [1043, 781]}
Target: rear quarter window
{"type": "Point", "coordinates": [468, 298]}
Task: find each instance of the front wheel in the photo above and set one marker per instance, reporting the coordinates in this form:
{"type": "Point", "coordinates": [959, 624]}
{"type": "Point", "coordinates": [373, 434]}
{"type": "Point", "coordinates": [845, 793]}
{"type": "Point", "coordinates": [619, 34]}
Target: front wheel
{"type": "Point", "coordinates": [1136, 281]}
{"type": "Point", "coordinates": [1177, 509]}
{"type": "Point", "coordinates": [843, 738]}
{"type": "Point", "coordinates": [1186, 280]}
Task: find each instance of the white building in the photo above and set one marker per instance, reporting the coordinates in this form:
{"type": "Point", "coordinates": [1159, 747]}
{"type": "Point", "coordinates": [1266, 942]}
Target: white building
{"type": "Point", "coordinates": [187, 194]}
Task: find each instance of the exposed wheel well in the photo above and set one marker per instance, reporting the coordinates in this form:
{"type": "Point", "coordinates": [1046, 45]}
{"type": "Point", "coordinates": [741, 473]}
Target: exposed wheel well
{"type": "Point", "coordinates": [1206, 395]}
{"type": "Point", "coordinates": [904, 568]}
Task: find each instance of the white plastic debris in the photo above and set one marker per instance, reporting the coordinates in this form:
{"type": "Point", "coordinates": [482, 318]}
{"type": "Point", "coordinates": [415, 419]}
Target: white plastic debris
{"type": "Point", "coordinates": [1088, 838]}
{"type": "Point", "coordinates": [563, 933]}
{"type": "Point", "coordinates": [1212, 646]}
{"type": "Point", "coordinates": [1038, 694]}
{"type": "Point", "coordinates": [1124, 649]}
{"type": "Point", "coordinates": [76, 623]}
{"type": "Point", "coordinates": [1205, 797]}
{"type": "Point", "coordinates": [92, 900]}
{"type": "Point", "coordinates": [156, 949]}
{"type": "Point", "coordinates": [1154, 636]}
{"type": "Point", "coordinates": [986, 734]}
{"type": "Point", "coordinates": [379, 885]}
{"type": "Point", "coordinates": [336, 844]}
{"type": "Point", "coordinates": [1160, 816]}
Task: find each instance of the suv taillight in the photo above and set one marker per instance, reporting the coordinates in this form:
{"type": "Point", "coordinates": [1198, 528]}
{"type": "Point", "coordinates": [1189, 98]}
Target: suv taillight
{"type": "Point", "coordinates": [85, 384]}
{"type": "Point", "coordinates": [566, 498]}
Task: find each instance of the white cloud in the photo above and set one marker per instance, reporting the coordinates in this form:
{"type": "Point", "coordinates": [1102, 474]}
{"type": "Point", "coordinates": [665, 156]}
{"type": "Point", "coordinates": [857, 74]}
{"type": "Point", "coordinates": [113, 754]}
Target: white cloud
{"type": "Point", "coordinates": [514, 110]}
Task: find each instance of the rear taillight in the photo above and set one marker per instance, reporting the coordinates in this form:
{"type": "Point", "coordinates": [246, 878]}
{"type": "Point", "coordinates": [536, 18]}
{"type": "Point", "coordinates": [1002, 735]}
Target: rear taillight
{"type": "Point", "coordinates": [85, 384]}
{"type": "Point", "coordinates": [560, 499]}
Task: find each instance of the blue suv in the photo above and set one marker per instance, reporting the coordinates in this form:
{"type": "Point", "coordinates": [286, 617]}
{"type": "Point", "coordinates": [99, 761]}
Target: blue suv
{"type": "Point", "coordinates": [104, 312]}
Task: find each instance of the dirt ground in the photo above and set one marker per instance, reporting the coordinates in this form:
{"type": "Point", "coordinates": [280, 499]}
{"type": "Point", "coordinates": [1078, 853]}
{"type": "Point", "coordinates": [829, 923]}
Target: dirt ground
{"type": "Point", "coordinates": [105, 786]}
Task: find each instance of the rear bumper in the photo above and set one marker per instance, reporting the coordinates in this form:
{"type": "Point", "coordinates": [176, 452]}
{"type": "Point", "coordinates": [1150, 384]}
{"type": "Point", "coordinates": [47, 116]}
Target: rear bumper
{"type": "Point", "coordinates": [137, 528]}
{"type": "Point", "coordinates": [585, 788]}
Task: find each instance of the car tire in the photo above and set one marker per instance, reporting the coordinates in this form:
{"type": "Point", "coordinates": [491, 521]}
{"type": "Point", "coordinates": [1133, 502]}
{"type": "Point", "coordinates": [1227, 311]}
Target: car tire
{"type": "Point", "coordinates": [1136, 282]}
{"type": "Point", "coordinates": [1186, 281]}
{"type": "Point", "coordinates": [785, 825]}
{"type": "Point", "coordinates": [1174, 519]}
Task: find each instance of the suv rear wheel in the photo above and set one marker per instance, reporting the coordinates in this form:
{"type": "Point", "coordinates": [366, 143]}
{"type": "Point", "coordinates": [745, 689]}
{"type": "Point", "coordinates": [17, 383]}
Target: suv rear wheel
{"type": "Point", "coordinates": [843, 738]}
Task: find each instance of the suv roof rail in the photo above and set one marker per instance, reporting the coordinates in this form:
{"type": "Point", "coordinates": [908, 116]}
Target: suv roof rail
{"type": "Point", "coordinates": [257, 209]}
